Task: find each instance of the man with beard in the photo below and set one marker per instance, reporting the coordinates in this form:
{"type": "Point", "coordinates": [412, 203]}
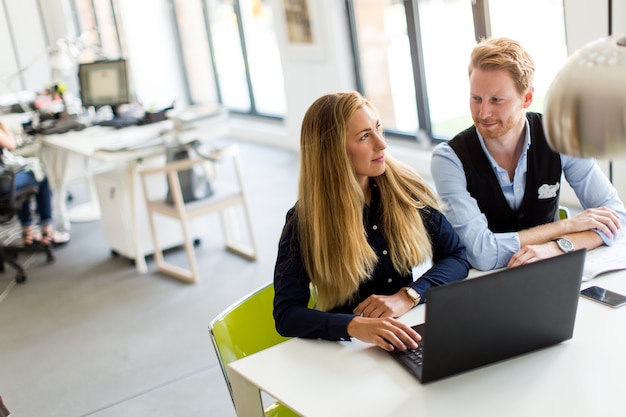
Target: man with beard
{"type": "Point", "coordinates": [500, 181]}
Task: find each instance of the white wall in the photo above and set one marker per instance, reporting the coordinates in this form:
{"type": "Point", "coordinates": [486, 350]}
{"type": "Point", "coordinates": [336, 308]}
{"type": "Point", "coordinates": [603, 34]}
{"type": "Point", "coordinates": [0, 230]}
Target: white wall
{"type": "Point", "coordinates": [57, 15]}
{"type": "Point", "coordinates": [586, 21]}
{"type": "Point", "coordinates": [22, 19]}
{"type": "Point", "coordinates": [583, 23]}
{"type": "Point", "coordinates": [619, 17]}
{"type": "Point", "coordinates": [310, 72]}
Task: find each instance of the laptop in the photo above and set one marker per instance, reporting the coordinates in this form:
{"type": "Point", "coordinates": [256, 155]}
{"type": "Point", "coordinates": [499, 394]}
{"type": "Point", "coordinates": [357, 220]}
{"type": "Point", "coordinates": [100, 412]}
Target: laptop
{"type": "Point", "coordinates": [479, 321]}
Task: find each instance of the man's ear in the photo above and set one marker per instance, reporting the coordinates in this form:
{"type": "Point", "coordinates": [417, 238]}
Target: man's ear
{"type": "Point", "coordinates": [528, 97]}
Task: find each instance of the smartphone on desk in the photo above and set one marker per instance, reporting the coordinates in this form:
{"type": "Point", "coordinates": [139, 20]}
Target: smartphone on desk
{"type": "Point", "coordinates": [604, 296]}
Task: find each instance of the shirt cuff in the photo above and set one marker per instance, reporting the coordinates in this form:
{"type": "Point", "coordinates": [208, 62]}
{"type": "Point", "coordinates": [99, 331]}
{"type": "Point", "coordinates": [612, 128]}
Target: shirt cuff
{"type": "Point", "coordinates": [508, 245]}
{"type": "Point", "coordinates": [338, 326]}
{"type": "Point", "coordinates": [608, 241]}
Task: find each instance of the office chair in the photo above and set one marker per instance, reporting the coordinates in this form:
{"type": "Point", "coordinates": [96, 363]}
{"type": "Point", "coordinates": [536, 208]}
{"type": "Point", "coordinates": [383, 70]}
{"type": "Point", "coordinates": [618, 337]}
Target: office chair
{"type": "Point", "coordinates": [10, 202]}
{"type": "Point", "coordinates": [245, 328]}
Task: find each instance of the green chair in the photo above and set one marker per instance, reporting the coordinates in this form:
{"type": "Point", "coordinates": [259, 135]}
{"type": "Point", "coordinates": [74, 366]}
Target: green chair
{"type": "Point", "coordinates": [563, 213]}
{"type": "Point", "coordinates": [245, 328]}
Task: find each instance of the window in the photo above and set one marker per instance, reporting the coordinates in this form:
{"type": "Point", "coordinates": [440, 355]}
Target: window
{"type": "Point", "coordinates": [266, 71]}
{"type": "Point", "coordinates": [447, 41]}
{"type": "Point", "coordinates": [195, 51]}
{"type": "Point", "coordinates": [235, 41]}
{"type": "Point", "coordinates": [385, 62]}
{"type": "Point", "coordinates": [412, 55]}
{"type": "Point", "coordinates": [97, 23]}
{"type": "Point", "coordinates": [547, 46]}
{"type": "Point", "coordinates": [228, 50]}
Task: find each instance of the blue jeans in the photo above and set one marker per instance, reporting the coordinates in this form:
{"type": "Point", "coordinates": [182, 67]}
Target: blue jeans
{"type": "Point", "coordinates": [43, 198]}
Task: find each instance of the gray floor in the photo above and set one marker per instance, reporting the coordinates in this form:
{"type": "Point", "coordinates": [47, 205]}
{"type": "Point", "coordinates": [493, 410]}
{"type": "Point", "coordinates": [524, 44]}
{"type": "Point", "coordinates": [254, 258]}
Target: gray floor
{"type": "Point", "coordinates": [88, 336]}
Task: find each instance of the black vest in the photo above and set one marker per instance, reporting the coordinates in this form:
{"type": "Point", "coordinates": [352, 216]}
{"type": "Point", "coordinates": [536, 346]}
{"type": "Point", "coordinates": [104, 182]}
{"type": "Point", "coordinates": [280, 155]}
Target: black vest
{"type": "Point", "coordinates": [544, 172]}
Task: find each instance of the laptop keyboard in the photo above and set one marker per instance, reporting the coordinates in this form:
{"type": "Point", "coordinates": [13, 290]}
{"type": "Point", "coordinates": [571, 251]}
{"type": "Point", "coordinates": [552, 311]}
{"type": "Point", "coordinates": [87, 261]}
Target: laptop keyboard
{"type": "Point", "coordinates": [412, 358]}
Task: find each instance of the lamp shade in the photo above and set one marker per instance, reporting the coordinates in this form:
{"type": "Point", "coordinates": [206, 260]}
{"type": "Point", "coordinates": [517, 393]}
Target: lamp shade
{"type": "Point", "coordinates": [585, 108]}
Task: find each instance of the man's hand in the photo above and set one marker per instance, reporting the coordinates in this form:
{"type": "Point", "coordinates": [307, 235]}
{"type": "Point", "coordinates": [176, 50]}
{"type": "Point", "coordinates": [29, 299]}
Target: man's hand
{"type": "Point", "coordinates": [579, 229]}
{"type": "Point", "coordinates": [604, 219]}
{"type": "Point", "coordinates": [534, 253]}
{"type": "Point", "coordinates": [387, 332]}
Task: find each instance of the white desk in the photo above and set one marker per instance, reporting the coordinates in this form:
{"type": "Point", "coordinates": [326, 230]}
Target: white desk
{"type": "Point", "coordinates": [88, 145]}
{"type": "Point", "coordinates": [58, 150]}
{"type": "Point", "coordinates": [584, 376]}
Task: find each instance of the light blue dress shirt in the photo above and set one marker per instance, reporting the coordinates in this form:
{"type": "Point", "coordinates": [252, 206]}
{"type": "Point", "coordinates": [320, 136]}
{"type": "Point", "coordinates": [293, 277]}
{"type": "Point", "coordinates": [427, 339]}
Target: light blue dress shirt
{"type": "Point", "coordinates": [487, 250]}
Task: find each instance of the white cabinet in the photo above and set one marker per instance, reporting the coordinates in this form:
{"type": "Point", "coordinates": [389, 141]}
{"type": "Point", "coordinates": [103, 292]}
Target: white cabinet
{"type": "Point", "coordinates": [124, 215]}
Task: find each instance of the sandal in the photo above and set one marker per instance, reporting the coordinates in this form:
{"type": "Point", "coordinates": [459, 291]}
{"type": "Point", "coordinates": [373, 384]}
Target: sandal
{"type": "Point", "coordinates": [49, 236]}
{"type": "Point", "coordinates": [29, 237]}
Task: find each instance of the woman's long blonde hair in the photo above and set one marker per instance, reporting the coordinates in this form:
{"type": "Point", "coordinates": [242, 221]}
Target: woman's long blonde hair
{"type": "Point", "coordinates": [329, 211]}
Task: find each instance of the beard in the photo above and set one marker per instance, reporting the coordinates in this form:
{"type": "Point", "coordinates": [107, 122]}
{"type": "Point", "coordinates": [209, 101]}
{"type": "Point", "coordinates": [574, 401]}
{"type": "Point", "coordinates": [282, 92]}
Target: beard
{"type": "Point", "coordinates": [499, 129]}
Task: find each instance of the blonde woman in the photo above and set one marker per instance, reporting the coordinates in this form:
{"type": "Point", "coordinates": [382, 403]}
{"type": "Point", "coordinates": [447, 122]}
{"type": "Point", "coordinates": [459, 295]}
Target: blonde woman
{"type": "Point", "coordinates": [361, 223]}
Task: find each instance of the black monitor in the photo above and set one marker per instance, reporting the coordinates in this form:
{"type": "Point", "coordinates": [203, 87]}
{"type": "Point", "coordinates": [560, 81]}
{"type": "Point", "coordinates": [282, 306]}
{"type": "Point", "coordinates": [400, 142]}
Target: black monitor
{"type": "Point", "coordinates": [104, 83]}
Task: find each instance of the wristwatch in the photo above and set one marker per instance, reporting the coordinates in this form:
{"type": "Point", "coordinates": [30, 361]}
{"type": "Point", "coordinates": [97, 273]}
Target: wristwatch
{"type": "Point", "coordinates": [564, 244]}
{"type": "Point", "coordinates": [413, 295]}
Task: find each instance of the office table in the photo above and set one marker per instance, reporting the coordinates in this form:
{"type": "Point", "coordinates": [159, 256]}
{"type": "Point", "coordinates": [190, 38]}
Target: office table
{"type": "Point", "coordinates": [58, 150]}
{"type": "Point", "coordinates": [123, 152]}
{"type": "Point", "coordinates": [584, 376]}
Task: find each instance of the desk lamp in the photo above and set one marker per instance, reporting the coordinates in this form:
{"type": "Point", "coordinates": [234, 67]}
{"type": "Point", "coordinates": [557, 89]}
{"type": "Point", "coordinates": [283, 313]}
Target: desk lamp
{"type": "Point", "coordinates": [585, 109]}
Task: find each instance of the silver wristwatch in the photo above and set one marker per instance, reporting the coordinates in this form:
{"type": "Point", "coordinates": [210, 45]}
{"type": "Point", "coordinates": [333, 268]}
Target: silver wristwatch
{"type": "Point", "coordinates": [564, 244]}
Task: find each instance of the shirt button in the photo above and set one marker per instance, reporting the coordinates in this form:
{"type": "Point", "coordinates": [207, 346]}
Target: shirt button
{"type": "Point", "coordinates": [375, 227]}
{"type": "Point", "coordinates": [389, 279]}
{"type": "Point", "coordinates": [384, 251]}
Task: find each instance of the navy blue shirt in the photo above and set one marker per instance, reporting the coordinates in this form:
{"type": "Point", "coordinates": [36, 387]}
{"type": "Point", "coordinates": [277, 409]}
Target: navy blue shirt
{"type": "Point", "coordinates": [291, 281]}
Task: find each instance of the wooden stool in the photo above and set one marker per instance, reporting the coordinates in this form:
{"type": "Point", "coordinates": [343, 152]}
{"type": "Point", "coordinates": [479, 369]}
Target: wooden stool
{"type": "Point", "coordinates": [225, 196]}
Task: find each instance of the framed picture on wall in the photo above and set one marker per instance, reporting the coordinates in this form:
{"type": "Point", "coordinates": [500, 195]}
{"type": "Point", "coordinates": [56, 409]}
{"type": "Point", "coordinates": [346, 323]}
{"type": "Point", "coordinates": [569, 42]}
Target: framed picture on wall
{"type": "Point", "coordinates": [302, 30]}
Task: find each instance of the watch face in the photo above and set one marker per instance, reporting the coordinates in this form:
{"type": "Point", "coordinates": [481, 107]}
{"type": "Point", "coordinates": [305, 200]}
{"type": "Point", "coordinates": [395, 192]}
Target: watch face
{"type": "Point", "coordinates": [565, 245]}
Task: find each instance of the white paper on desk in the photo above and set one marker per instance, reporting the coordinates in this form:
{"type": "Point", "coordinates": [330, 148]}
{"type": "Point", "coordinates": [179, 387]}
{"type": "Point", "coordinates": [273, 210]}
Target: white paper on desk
{"type": "Point", "coordinates": [420, 269]}
{"type": "Point", "coordinates": [126, 144]}
{"type": "Point", "coordinates": [605, 259]}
